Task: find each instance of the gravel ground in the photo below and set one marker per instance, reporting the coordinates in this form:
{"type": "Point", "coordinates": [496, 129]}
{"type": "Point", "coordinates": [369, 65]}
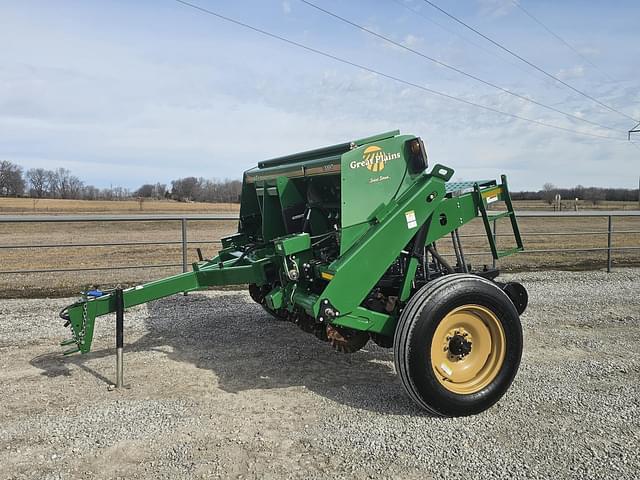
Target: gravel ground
{"type": "Point", "coordinates": [216, 388]}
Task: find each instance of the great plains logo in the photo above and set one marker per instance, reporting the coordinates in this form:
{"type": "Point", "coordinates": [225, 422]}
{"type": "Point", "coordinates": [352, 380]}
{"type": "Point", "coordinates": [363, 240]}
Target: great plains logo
{"type": "Point", "coordinates": [374, 158]}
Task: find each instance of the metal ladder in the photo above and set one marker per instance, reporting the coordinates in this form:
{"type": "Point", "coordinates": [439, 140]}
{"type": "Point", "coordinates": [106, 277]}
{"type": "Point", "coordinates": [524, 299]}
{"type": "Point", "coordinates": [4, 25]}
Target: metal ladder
{"type": "Point", "coordinates": [501, 193]}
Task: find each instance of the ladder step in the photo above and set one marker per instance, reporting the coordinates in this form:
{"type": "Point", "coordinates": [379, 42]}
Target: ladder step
{"type": "Point", "coordinates": [70, 341]}
{"type": "Point", "coordinates": [499, 215]}
{"type": "Point", "coordinates": [70, 351]}
{"type": "Point", "coordinates": [511, 251]}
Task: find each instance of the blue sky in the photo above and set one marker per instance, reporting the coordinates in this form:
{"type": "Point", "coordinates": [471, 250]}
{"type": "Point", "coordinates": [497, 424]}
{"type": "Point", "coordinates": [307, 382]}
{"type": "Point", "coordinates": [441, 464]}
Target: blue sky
{"type": "Point", "coordinates": [126, 93]}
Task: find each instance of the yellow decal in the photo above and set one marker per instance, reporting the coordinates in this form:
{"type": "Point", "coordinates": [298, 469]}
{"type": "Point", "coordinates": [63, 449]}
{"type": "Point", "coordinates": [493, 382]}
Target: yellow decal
{"type": "Point", "coordinates": [372, 155]}
{"type": "Point", "coordinates": [374, 158]}
{"type": "Point", "coordinates": [493, 191]}
{"type": "Point", "coordinates": [326, 275]}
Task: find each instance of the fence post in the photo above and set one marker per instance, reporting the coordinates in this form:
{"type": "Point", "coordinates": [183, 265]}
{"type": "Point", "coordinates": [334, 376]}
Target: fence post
{"type": "Point", "coordinates": [119, 336]}
{"type": "Point", "coordinates": [609, 228]}
{"type": "Point", "coordinates": [183, 223]}
{"type": "Point", "coordinates": [184, 244]}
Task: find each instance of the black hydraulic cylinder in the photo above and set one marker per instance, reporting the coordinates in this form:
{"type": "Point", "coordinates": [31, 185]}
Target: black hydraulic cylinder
{"type": "Point", "coordinates": [465, 267]}
{"type": "Point", "coordinates": [418, 243]}
{"type": "Point", "coordinates": [434, 253]}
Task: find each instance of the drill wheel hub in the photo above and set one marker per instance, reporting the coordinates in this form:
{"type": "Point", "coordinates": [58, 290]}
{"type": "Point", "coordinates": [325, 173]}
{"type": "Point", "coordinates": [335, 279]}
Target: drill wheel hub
{"type": "Point", "coordinates": [459, 346]}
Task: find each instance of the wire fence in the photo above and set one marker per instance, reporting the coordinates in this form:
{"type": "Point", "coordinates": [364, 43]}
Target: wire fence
{"type": "Point", "coordinates": [608, 232]}
{"type": "Point", "coordinates": [183, 241]}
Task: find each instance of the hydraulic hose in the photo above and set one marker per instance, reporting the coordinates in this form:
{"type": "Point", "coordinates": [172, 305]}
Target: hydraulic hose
{"type": "Point", "coordinates": [440, 259]}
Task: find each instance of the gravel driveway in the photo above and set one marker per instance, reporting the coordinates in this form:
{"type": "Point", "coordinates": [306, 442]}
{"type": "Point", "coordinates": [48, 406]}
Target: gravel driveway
{"type": "Point", "coordinates": [216, 388]}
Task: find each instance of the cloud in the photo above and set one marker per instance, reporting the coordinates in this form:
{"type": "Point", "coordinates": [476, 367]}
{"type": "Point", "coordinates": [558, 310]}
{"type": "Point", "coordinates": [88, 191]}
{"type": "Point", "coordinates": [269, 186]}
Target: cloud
{"type": "Point", "coordinates": [142, 104]}
{"type": "Point", "coordinates": [589, 51]}
{"type": "Point", "coordinates": [496, 8]}
{"type": "Point", "coordinates": [412, 41]}
{"type": "Point", "coordinates": [571, 73]}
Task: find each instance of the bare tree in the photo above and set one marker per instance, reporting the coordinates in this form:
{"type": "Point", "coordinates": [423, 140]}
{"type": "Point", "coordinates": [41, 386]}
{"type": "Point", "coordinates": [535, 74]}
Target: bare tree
{"type": "Point", "coordinates": [11, 181]}
{"type": "Point", "coordinates": [62, 176]}
{"type": "Point", "coordinates": [594, 195]}
{"type": "Point", "coordinates": [75, 187]}
{"type": "Point", "coordinates": [89, 192]}
{"type": "Point", "coordinates": [38, 179]}
{"type": "Point", "coordinates": [145, 191]}
{"type": "Point", "coordinates": [54, 184]}
{"type": "Point", "coordinates": [160, 190]}
{"type": "Point", "coordinates": [549, 192]}
{"type": "Point", "coordinates": [185, 188]}
{"type": "Point", "coordinates": [107, 193]}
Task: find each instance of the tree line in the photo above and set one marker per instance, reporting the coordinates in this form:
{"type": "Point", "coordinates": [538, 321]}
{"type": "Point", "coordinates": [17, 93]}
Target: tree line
{"type": "Point", "coordinates": [194, 189]}
{"type": "Point", "coordinates": [61, 183]}
{"type": "Point", "coordinates": [590, 194]}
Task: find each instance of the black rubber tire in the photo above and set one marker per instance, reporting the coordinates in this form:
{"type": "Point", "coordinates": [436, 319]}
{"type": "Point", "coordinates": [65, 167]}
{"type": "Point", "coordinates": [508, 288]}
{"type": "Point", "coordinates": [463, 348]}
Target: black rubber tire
{"type": "Point", "coordinates": [518, 295]}
{"type": "Point", "coordinates": [415, 330]}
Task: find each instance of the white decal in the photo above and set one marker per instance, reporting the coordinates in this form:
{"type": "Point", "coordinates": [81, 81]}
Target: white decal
{"type": "Point", "coordinates": [411, 219]}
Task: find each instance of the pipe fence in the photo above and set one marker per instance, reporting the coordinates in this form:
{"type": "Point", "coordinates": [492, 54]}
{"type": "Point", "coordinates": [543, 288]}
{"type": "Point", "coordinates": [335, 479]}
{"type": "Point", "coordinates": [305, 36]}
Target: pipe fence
{"type": "Point", "coordinates": [184, 242]}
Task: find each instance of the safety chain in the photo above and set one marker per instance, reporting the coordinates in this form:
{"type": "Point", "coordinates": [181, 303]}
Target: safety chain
{"type": "Point", "coordinates": [80, 336]}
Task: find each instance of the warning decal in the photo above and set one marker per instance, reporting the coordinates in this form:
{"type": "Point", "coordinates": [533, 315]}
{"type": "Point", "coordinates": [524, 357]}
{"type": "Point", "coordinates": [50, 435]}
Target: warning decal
{"type": "Point", "coordinates": [411, 219]}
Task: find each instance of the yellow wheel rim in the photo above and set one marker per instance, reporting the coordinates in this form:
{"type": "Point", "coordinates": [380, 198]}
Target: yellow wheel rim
{"type": "Point", "coordinates": [468, 349]}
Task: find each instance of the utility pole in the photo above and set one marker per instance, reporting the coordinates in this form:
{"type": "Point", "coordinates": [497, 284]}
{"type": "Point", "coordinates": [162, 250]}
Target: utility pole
{"type": "Point", "coordinates": [635, 130]}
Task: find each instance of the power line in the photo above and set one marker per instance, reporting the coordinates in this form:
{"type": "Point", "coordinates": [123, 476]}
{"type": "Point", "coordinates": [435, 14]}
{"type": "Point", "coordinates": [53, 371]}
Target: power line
{"type": "Point", "coordinates": [450, 67]}
{"type": "Point", "coordinates": [560, 39]}
{"type": "Point", "coordinates": [453, 32]}
{"type": "Point", "coordinates": [511, 52]}
{"type": "Point", "coordinates": [386, 75]}
{"type": "Point", "coordinates": [509, 60]}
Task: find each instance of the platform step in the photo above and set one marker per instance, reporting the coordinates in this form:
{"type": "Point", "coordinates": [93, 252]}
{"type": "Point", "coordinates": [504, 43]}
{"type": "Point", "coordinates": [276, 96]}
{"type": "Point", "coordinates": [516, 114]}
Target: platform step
{"type": "Point", "coordinates": [511, 251]}
{"type": "Point", "coordinates": [499, 215]}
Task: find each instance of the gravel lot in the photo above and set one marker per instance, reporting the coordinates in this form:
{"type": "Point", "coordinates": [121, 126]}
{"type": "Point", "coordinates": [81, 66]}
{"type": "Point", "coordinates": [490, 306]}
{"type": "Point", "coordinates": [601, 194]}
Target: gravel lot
{"type": "Point", "coordinates": [219, 389]}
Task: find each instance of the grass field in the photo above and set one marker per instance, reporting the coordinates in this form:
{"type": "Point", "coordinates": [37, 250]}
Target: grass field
{"type": "Point", "coordinates": [13, 206]}
{"type": "Point", "coordinates": [570, 205]}
{"type": "Point", "coordinates": [539, 234]}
